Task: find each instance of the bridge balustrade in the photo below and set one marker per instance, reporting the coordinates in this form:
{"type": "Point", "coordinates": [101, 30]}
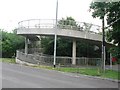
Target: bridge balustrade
{"type": "Point", "coordinates": [67, 24]}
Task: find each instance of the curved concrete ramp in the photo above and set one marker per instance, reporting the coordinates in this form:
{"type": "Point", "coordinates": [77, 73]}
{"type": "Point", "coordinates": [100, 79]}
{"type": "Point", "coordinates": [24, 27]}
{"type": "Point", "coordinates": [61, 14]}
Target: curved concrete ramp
{"type": "Point", "coordinates": [60, 32]}
{"type": "Point", "coordinates": [70, 29]}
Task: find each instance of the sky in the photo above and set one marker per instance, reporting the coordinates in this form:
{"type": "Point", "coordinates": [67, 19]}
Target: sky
{"type": "Point", "coordinates": [14, 11]}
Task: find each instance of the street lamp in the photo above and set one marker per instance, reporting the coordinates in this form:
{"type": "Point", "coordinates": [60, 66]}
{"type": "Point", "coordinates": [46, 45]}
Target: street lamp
{"type": "Point", "coordinates": [55, 39]}
{"type": "Point", "coordinates": [103, 44]}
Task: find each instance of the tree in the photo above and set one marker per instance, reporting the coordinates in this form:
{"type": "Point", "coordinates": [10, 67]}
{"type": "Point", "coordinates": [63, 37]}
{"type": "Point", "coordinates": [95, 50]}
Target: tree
{"type": "Point", "coordinates": [47, 43]}
{"type": "Point", "coordinates": [68, 23]}
{"type": "Point", "coordinates": [10, 42]}
{"type": "Point", "coordinates": [114, 15]}
{"type": "Point", "coordinates": [112, 12]}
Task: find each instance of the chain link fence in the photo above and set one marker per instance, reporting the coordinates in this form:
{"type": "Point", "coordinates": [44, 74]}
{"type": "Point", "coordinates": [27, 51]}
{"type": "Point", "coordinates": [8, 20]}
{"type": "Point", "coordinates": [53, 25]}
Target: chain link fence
{"type": "Point", "coordinates": [42, 59]}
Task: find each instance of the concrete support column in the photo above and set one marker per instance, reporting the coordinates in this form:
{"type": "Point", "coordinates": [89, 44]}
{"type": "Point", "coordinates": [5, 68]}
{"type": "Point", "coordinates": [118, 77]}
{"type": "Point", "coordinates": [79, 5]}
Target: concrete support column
{"type": "Point", "coordinates": [26, 45]}
{"type": "Point", "coordinates": [74, 52]}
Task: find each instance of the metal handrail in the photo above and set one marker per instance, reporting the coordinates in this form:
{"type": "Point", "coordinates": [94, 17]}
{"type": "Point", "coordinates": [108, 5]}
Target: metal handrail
{"type": "Point", "coordinates": [50, 23]}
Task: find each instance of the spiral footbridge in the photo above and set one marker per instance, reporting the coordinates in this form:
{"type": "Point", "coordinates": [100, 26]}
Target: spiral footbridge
{"type": "Point", "coordinates": [33, 28]}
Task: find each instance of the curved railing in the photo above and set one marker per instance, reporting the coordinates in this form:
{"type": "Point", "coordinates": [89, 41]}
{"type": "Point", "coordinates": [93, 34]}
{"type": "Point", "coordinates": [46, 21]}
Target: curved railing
{"type": "Point", "coordinates": [61, 24]}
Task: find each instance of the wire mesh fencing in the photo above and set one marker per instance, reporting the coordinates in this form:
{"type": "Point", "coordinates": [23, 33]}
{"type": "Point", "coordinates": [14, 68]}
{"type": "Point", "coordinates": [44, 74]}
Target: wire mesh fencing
{"type": "Point", "coordinates": [42, 59]}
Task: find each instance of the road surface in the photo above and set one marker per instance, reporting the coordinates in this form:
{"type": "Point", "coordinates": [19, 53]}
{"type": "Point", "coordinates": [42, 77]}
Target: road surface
{"type": "Point", "coordinates": [19, 76]}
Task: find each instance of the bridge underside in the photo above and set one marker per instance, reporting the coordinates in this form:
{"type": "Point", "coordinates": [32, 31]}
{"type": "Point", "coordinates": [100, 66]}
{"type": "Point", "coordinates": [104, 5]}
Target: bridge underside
{"type": "Point", "coordinates": [34, 37]}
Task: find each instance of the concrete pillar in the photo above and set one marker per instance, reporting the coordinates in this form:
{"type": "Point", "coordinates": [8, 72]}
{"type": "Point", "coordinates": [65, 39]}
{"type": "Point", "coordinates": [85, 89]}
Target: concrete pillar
{"type": "Point", "coordinates": [26, 45]}
{"type": "Point", "coordinates": [74, 52]}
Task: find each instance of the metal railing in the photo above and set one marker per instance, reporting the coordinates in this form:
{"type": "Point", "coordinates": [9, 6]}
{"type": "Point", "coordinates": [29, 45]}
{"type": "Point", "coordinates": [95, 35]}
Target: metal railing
{"type": "Point", "coordinates": [61, 61]}
{"type": "Point", "coordinates": [62, 24]}
{"type": "Point", "coordinates": [88, 61]}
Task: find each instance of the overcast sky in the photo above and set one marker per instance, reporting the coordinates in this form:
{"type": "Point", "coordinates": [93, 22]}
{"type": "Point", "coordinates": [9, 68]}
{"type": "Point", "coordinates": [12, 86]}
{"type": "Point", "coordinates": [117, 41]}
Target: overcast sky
{"type": "Point", "coordinates": [13, 11]}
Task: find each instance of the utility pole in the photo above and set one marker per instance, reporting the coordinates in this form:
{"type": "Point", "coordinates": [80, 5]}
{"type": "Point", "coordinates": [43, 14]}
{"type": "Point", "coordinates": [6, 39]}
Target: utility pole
{"type": "Point", "coordinates": [103, 43]}
{"type": "Point", "coordinates": [55, 39]}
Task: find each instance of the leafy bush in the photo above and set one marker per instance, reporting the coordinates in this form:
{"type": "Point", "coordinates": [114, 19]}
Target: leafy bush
{"type": "Point", "coordinates": [10, 42]}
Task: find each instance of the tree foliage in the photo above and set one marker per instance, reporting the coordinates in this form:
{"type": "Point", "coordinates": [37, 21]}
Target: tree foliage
{"type": "Point", "coordinates": [10, 42]}
{"type": "Point", "coordinates": [68, 21]}
{"type": "Point", "coordinates": [112, 11]}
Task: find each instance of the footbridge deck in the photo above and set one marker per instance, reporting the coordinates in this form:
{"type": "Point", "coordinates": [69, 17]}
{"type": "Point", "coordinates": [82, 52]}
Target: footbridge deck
{"type": "Point", "coordinates": [47, 28]}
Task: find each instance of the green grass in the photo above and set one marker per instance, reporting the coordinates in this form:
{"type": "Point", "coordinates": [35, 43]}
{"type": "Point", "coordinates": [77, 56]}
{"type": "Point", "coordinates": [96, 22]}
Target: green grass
{"type": "Point", "coordinates": [111, 74]}
{"type": "Point", "coordinates": [43, 66]}
{"type": "Point", "coordinates": [93, 72]}
{"type": "Point", "coordinates": [7, 60]}
{"type": "Point", "coordinates": [86, 71]}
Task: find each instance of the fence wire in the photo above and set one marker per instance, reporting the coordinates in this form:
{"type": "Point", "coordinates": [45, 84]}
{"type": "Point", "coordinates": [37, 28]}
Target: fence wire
{"type": "Point", "coordinates": [42, 59]}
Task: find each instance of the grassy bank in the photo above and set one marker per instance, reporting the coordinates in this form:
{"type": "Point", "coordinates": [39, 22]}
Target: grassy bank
{"type": "Point", "coordinates": [86, 71]}
{"type": "Point", "coordinates": [7, 60]}
{"type": "Point", "coordinates": [92, 72]}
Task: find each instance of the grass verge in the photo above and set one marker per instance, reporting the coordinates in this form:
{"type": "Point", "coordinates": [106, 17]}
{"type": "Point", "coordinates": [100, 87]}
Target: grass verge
{"type": "Point", "coordinates": [7, 60]}
{"type": "Point", "coordinates": [112, 74]}
{"type": "Point", "coordinates": [93, 72]}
